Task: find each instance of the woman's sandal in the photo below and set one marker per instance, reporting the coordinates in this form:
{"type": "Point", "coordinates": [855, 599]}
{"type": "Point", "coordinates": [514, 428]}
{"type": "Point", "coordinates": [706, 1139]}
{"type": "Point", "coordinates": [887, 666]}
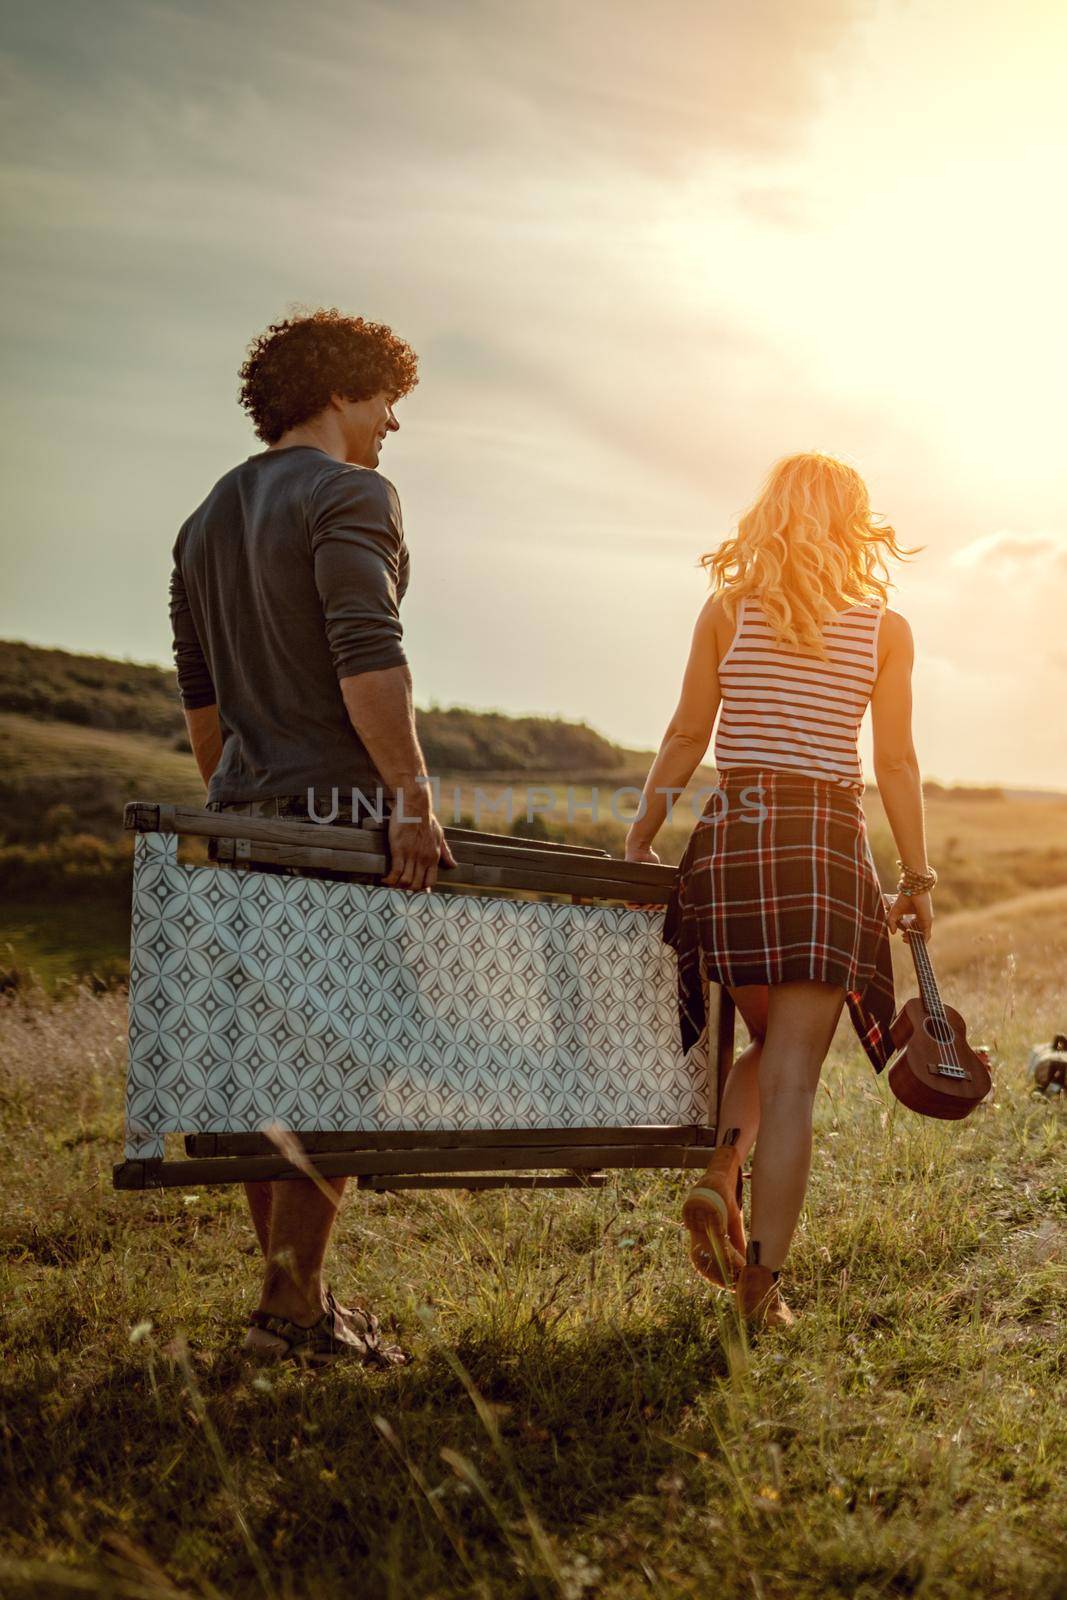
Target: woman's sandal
{"type": "Point", "coordinates": [759, 1299]}
{"type": "Point", "coordinates": [712, 1214]}
{"type": "Point", "coordinates": [337, 1335]}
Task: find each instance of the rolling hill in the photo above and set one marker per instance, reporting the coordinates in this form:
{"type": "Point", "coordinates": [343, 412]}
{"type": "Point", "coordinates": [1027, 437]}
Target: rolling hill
{"type": "Point", "coordinates": [81, 735]}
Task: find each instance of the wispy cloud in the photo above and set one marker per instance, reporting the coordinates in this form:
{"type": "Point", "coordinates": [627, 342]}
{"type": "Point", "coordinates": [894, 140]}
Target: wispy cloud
{"type": "Point", "coordinates": [1005, 551]}
{"type": "Point", "coordinates": [641, 251]}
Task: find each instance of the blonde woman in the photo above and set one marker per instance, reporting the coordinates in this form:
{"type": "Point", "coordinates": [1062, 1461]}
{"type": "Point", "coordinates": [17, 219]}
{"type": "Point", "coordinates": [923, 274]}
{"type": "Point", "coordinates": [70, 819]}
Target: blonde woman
{"type": "Point", "coordinates": [777, 897]}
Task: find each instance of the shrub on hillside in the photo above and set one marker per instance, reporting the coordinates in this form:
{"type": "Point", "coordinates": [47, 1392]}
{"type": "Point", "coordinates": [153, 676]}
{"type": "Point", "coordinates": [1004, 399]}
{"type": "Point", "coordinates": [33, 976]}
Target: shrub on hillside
{"type": "Point", "coordinates": [33, 809]}
{"type": "Point", "coordinates": [76, 863]}
{"type": "Point", "coordinates": [461, 740]}
{"type": "Point", "coordinates": [59, 820]}
{"type": "Point", "coordinates": [89, 691]}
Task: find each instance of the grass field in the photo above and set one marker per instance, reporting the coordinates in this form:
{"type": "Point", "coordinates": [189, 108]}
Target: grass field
{"type": "Point", "coordinates": [61, 752]}
{"type": "Point", "coordinates": [89, 940]}
{"type": "Point", "coordinates": [581, 1418]}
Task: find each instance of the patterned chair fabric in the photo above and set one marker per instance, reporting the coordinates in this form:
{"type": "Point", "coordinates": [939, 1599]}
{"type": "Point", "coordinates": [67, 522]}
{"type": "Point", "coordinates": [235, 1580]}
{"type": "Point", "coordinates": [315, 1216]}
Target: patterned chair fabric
{"type": "Point", "coordinates": [337, 1007]}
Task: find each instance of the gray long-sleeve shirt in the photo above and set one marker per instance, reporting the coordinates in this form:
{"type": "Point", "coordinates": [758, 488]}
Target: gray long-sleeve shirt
{"type": "Point", "coordinates": [287, 578]}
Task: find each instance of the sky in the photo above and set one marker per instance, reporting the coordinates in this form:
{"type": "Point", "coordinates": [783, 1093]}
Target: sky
{"type": "Point", "coordinates": [641, 251]}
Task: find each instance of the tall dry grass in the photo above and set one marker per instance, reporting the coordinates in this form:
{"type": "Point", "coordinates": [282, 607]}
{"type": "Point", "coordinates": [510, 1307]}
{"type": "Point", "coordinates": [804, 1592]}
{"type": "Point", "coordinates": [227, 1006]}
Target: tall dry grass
{"type": "Point", "coordinates": [582, 1418]}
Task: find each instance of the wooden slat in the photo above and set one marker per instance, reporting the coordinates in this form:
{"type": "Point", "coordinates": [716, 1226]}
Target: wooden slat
{"type": "Point", "coordinates": [485, 1180]}
{"type": "Point", "coordinates": [266, 1169]}
{"type": "Point", "coordinates": [486, 1158]}
{"type": "Point", "coordinates": [476, 836]}
{"type": "Point", "coordinates": [586, 876]}
{"type": "Point", "coordinates": [207, 1145]}
{"type": "Point", "coordinates": [152, 816]}
{"type": "Point", "coordinates": [614, 882]}
{"type": "Point", "coordinates": [573, 862]}
{"type": "Point", "coordinates": [368, 863]}
{"type": "Point", "coordinates": [487, 865]}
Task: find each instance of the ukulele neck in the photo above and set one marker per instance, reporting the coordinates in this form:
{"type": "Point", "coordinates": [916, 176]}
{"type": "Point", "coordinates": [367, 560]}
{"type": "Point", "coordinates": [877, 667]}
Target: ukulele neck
{"type": "Point", "coordinates": [928, 990]}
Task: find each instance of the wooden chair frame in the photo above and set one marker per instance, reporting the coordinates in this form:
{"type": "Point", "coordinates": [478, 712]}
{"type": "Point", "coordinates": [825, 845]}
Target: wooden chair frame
{"type": "Point", "coordinates": [461, 1158]}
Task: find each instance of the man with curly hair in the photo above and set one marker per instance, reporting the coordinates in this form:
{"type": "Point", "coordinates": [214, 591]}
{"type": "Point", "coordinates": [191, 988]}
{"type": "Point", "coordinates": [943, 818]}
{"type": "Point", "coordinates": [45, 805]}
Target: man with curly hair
{"type": "Point", "coordinates": [284, 600]}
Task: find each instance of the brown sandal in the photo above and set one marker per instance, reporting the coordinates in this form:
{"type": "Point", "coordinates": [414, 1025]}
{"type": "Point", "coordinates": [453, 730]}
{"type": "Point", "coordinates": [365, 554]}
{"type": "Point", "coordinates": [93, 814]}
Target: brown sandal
{"type": "Point", "coordinates": [712, 1214]}
{"type": "Point", "coordinates": [759, 1299]}
{"type": "Point", "coordinates": [337, 1335]}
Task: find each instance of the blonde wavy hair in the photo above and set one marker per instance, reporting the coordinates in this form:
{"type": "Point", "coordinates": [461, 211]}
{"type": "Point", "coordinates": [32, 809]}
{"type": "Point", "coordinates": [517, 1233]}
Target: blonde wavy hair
{"type": "Point", "coordinates": [807, 545]}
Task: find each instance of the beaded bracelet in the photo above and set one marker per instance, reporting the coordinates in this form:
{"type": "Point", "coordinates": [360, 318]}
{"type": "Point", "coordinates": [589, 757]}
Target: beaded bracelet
{"type": "Point", "coordinates": [915, 882]}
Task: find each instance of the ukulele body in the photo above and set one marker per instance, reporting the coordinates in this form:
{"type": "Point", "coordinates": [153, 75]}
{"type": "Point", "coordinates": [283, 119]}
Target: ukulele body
{"type": "Point", "coordinates": [933, 1069]}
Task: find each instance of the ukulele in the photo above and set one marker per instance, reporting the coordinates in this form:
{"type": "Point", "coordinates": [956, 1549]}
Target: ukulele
{"type": "Point", "coordinates": [933, 1069]}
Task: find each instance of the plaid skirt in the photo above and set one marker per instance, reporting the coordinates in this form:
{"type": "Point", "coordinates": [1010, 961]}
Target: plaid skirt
{"type": "Point", "coordinates": [777, 883]}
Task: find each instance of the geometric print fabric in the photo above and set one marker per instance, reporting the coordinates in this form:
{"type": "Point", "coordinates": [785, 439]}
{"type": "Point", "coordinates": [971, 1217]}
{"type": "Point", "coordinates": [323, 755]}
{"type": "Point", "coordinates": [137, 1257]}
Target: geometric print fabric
{"type": "Point", "coordinates": [338, 1007]}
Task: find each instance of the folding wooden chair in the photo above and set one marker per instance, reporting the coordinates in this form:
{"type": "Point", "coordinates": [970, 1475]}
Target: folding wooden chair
{"type": "Point", "coordinates": [517, 1028]}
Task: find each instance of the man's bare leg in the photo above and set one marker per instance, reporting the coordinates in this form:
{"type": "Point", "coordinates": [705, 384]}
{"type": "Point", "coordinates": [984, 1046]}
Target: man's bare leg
{"type": "Point", "coordinates": [301, 1219]}
{"type": "Point", "coordinates": [258, 1197]}
{"type": "Point", "coordinates": [801, 1019]}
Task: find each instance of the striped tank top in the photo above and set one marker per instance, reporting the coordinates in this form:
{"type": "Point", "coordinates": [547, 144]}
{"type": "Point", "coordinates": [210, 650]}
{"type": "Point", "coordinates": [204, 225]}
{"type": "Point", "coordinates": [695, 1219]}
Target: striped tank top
{"type": "Point", "coordinates": [791, 710]}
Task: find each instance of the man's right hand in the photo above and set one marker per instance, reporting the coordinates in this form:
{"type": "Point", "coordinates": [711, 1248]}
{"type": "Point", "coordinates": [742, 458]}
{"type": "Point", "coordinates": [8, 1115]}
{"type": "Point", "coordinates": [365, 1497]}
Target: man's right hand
{"type": "Point", "coordinates": [417, 847]}
{"type": "Point", "coordinates": [381, 711]}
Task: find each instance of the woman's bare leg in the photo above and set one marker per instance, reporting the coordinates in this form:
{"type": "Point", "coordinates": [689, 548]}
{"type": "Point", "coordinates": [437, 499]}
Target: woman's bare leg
{"type": "Point", "coordinates": [739, 1107]}
{"type": "Point", "coordinates": [712, 1208]}
{"type": "Point", "coordinates": [801, 1019]}
{"type": "Point", "coordinates": [740, 1104]}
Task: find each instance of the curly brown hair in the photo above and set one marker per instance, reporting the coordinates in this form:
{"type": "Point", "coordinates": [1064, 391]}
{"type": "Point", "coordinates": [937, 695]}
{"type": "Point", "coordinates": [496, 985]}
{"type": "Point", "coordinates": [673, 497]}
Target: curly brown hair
{"type": "Point", "coordinates": [293, 368]}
